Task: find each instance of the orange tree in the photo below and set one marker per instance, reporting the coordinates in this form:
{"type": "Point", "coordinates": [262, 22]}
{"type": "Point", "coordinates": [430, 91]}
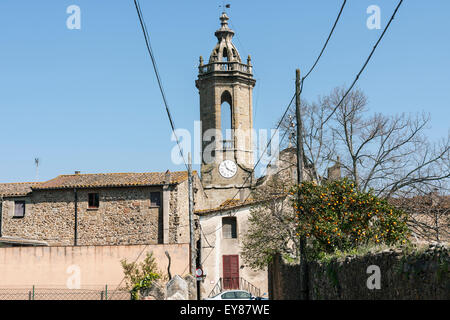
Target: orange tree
{"type": "Point", "coordinates": [337, 216]}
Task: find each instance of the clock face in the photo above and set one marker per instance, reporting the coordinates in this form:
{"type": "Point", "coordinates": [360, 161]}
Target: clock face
{"type": "Point", "coordinates": [227, 168]}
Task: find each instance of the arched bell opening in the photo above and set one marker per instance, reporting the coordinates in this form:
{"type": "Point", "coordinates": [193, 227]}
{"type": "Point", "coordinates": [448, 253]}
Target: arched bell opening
{"type": "Point", "coordinates": [226, 119]}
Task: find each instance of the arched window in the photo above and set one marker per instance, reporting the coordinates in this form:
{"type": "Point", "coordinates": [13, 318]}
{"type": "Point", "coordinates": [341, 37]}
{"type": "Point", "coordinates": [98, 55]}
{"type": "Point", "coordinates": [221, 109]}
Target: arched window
{"type": "Point", "coordinates": [226, 120]}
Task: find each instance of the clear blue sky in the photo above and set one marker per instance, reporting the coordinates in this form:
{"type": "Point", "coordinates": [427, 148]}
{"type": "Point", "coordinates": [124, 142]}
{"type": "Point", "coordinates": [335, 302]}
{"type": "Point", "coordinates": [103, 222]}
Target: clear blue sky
{"type": "Point", "coordinates": [88, 99]}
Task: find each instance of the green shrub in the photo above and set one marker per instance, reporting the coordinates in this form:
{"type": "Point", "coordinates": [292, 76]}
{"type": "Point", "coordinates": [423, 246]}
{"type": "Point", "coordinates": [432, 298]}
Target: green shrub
{"type": "Point", "coordinates": [140, 275]}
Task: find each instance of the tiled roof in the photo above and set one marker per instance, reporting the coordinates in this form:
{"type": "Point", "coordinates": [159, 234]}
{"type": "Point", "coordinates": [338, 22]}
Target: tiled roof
{"type": "Point", "coordinates": [16, 189]}
{"type": "Point", "coordinates": [228, 205]}
{"type": "Point", "coordinates": [427, 201]}
{"type": "Point", "coordinates": [112, 180]}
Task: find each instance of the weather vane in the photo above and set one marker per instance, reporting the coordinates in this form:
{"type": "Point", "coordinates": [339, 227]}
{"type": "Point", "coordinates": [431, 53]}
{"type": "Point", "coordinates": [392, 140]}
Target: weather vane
{"type": "Point", "coordinates": [224, 6]}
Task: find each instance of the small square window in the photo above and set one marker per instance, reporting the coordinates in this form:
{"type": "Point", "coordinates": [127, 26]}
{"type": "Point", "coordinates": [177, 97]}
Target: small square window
{"type": "Point", "coordinates": [229, 227]}
{"type": "Point", "coordinates": [19, 209]}
{"type": "Point", "coordinates": [155, 199]}
{"type": "Point", "coordinates": [93, 201]}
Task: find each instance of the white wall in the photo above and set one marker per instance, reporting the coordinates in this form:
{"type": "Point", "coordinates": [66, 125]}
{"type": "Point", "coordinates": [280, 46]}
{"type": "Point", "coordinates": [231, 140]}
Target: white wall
{"type": "Point", "coordinates": [51, 267]}
{"type": "Point", "coordinates": [211, 225]}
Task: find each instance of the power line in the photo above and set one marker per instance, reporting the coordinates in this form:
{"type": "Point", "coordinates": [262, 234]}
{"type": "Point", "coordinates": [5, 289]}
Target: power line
{"type": "Point", "coordinates": [326, 42]}
{"type": "Point", "coordinates": [359, 73]}
{"type": "Point", "coordinates": [248, 196]}
{"type": "Point", "coordinates": [289, 105]}
{"type": "Point", "coordinates": [155, 68]}
{"type": "Point", "coordinates": [231, 215]}
{"type": "Point", "coordinates": [365, 63]}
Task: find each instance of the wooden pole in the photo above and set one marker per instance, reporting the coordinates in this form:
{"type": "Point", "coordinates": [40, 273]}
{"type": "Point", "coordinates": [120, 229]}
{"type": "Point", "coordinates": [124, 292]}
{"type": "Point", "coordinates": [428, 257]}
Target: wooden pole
{"type": "Point", "coordinates": [191, 216]}
{"type": "Point", "coordinates": [303, 259]}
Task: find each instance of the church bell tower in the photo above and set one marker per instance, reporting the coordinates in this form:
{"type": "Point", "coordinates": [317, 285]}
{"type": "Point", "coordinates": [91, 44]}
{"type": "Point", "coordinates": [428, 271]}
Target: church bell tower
{"type": "Point", "coordinates": [225, 86]}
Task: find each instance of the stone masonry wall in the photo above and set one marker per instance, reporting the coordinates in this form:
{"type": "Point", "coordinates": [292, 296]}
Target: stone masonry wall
{"type": "Point", "coordinates": [179, 214]}
{"type": "Point", "coordinates": [406, 276]}
{"type": "Point", "coordinates": [124, 216]}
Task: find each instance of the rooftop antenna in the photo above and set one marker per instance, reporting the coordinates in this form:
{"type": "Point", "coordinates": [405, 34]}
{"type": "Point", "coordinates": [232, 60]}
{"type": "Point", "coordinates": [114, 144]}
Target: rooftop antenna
{"type": "Point", "coordinates": [36, 162]}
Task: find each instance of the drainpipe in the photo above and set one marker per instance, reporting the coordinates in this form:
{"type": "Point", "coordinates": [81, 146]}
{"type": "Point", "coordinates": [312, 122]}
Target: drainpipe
{"type": "Point", "coordinates": [76, 218]}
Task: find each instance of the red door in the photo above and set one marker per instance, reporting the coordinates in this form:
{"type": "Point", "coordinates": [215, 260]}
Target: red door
{"type": "Point", "coordinates": [230, 272]}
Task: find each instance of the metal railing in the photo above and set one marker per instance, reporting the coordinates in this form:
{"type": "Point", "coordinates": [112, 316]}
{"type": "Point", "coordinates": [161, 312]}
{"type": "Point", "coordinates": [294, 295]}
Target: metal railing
{"type": "Point", "coordinates": [225, 66]}
{"type": "Point", "coordinates": [42, 293]}
{"type": "Point", "coordinates": [234, 284]}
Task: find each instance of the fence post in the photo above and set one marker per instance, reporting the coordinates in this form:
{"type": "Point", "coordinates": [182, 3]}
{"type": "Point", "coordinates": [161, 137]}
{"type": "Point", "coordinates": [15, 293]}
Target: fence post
{"type": "Point", "coordinates": [106, 292]}
{"type": "Point", "coordinates": [101, 295]}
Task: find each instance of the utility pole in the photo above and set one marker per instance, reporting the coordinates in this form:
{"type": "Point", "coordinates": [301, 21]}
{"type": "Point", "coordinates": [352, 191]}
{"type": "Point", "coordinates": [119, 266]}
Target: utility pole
{"type": "Point", "coordinates": [303, 261]}
{"type": "Point", "coordinates": [191, 216]}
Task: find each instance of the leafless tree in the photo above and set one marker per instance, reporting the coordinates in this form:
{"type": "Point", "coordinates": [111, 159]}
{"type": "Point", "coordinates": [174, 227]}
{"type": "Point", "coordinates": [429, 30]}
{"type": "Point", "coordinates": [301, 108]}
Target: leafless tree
{"type": "Point", "coordinates": [388, 154]}
{"type": "Point", "coordinates": [318, 149]}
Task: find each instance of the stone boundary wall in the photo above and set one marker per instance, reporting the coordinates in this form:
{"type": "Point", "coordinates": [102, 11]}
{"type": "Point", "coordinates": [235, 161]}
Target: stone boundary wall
{"type": "Point", "coordinates": [97, 266]}
{"type": "Point", "coordinates": [403, 276]}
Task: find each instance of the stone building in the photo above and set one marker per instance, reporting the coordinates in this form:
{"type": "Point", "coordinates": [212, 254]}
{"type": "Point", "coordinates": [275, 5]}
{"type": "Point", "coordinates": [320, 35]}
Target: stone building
{"type": "Point", "coordinates": [100, 209]}
{"type": "Point", "coordinates": [152, 208]}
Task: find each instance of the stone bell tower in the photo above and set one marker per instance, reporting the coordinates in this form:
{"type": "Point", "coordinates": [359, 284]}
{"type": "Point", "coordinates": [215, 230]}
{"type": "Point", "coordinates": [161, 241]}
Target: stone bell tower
{"type": "Point", "coordinates": [225, 86]}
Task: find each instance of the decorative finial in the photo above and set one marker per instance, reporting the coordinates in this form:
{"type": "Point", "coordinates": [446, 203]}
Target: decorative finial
{"type": "Point", "coordinates": [249, 60]}
{"type": "Point", "coordinates": [224, 20]}
{"type": "Point", "coordinates": [201, 60]}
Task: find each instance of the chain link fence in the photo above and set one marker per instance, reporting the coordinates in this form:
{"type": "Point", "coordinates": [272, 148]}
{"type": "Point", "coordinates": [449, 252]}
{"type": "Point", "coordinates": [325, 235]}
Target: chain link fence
{"type": "Point", "coordinates": [35, 293]}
